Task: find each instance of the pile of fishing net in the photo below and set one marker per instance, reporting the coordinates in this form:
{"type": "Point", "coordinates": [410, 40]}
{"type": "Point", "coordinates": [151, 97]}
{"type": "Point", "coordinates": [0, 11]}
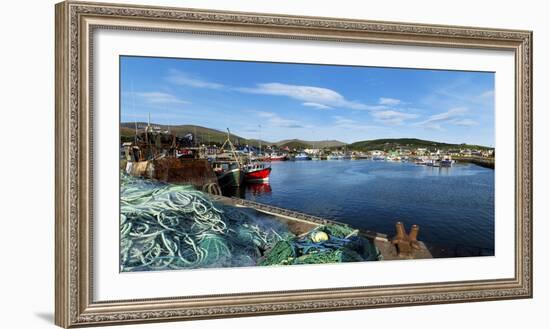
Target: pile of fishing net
{"type": "Point", "coordinates": [322, 245]}
{"type": "Point", "coordinates": [164, 226]}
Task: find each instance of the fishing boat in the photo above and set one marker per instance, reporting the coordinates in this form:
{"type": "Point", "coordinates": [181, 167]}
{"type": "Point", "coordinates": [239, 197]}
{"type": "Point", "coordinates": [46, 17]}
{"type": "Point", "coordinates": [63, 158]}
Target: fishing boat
{"type": "Point", "coordinates": [278, 157]}
{"type": "Point", "coordinates": [433, 163]}
{"type": "Point", "coordinates": [302, 156]}
{"type": "Point", "coordinates": [185, 153]}
{"type": "Point", "coordinates": [256, 172]}
{"type": "Point", "coordinates": [421, 161]}
{"type": "Point", "coordinates": [229, 168]}
{"type": "Point", "coordinates": [332, 157]}
{"type": "Point", "coordinates": [447, 161]}
{"type": "Point", "coordinates": [359, 156]}
{"type": "Point", "coordinates": [160, 155]}
{"type": "Point", "coordinates": [229, 173]}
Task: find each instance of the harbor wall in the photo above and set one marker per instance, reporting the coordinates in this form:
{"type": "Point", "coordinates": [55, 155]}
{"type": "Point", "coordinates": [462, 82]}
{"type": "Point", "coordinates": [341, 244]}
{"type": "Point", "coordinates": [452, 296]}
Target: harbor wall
{"type": "Point", "coordinates": [483, 162]}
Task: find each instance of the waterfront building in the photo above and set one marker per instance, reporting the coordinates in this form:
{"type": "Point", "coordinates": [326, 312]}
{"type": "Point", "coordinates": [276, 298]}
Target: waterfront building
{"type": "Point", "coordinates": [377, 153]}
{"type": "Point", "coordinates": [422, 151]}
{"type": "Point", "coordinates": [312, 151]}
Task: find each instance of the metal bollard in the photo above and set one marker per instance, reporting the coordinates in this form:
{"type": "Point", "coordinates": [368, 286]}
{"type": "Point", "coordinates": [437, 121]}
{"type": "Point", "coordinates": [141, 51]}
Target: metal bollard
{"type": "Point", "coordinates": [405, 243]}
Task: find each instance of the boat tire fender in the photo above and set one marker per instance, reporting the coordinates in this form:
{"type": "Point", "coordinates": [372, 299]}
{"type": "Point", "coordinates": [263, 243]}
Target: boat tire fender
{"type": "Point", "coordinates": [212, 188]}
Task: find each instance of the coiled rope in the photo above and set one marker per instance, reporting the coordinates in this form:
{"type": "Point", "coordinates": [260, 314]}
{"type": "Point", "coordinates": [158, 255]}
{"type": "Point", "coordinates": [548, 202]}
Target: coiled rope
{"type": "Point", "coordinates": [165, 226]}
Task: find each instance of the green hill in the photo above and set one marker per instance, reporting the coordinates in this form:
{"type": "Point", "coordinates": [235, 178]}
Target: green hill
{"type": "Point", "coordinates": [203, 135]}
{"type": "Point", "coordinates": [392, 143]}
{"type": "Point", "coordinates": [298, 143]}
{"type": "Point", "coordinates": [294, 145]}
{"type": "Point", "coordinates": [212, 136]}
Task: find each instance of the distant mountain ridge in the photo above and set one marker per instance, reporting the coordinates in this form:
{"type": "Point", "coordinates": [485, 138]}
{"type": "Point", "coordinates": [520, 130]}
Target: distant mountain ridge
{"type": "Point", "coordinates": [209, 135]}
{"type": "Point", "coordinates": [310, 144]}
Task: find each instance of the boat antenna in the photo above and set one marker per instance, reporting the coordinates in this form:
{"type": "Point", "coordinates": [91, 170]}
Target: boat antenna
{"type": "Point", "coordinates": [260, 140]}
{"type": "Point", "coordinates": [134, 110]}
{"type": "Point", "coordinates": [147, 130]}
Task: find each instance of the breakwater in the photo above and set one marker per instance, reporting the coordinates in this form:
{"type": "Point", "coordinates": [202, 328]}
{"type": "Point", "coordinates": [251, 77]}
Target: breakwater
{"type": "Point", "coordinates": [483, 162]}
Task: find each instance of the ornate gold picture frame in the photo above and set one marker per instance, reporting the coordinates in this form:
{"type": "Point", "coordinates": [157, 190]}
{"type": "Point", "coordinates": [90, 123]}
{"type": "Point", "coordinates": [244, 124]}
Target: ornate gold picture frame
{"type": "Point", "coordinates": [76, 23]}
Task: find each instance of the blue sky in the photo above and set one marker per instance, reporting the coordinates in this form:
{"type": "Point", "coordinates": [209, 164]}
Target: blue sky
{"type": "Point", "coordinates": [312, 102]}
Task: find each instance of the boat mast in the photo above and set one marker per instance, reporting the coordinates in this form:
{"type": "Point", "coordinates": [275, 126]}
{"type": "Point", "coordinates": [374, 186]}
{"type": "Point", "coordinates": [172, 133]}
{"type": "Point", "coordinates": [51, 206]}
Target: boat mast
{"type": "Point", "coordinates": [232, 148]}
{"type": "Point", "coordinates": [134, 111]}
{"type": "Point", "coordinates": [260, 140]}
{"type": "Point", "coordinates": [147, 129]}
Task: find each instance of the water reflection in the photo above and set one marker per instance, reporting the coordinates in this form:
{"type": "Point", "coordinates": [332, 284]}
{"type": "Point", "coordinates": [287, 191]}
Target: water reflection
{"type": "Point", "coordinates": [250, 189]}
{"type": "Point", "coordinates": [234, 191]}
{"type": "Point", "coordinates": [258, 188]}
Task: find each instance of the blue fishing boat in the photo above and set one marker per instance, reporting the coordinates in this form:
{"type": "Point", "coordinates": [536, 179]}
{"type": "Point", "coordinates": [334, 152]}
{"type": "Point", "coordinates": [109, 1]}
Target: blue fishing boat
{"type": "Point", "coordinates": [447, 162]}
{"type": "Point", "coordinates": [302, 156]}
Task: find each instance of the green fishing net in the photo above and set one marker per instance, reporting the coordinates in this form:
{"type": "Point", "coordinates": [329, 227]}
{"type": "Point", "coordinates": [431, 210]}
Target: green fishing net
{"type": "Point", "coordinates": [343, 244]}
{"type": "Point", "coordinates": [165, 226]}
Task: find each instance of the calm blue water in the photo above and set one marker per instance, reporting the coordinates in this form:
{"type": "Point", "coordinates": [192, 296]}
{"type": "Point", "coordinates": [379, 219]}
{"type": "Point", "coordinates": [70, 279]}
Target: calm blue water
{"type": "Point", "coordinates": [453, 206]}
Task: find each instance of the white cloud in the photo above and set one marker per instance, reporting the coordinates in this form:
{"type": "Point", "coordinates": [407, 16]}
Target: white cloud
{"type": "Point", "coordinates": [307, 94]}
{"type": "Point", "coordinates": [485, 98]}
{"type": "Point", "coordinates": [389, 101]}
{"type": "Point", "coordinates": [155, 97]}
{"type": "Point", "coordinates": [392, 117]}
{"type": "Point", "coordinates": [462, 92]}
{"type": "Point", "coordinates": [465, 122]}
{"type": "Point", "coordinates": [317, 106]}
{"type": "Point", "coordinates": [487, 94]}
{"type": "Point", "coordinates": [349, 124]}
{"type": "Point", "coordinates": [339, 121]}
{"type": "Point", "coordinates": [434, 126]}
{"type": "Point", "coordinates": [184, 79]}
{"type": "Point", "coordinates": [275, 120]}
{"type": "Point", "coordinates": [451, 116]}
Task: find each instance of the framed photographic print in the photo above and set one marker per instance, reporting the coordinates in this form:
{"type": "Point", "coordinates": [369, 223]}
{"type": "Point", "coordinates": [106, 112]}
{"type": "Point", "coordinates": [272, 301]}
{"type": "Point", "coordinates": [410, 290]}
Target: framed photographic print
{"type": "Point", "coordinates": [216, 164]}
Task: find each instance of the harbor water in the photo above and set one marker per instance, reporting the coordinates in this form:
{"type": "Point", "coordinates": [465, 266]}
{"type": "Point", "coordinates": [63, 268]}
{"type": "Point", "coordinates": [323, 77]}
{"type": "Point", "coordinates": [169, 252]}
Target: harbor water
{"type": "Point", "coordinates": [454, 207]}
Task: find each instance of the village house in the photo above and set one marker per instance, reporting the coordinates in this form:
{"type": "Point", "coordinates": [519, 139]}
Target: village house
{"type": "Point", "coordinates": [312, 151]}
{"type": "Point", "coordinates": [377, 153]}
{"type": "Point", "coordinates": [421, 151]}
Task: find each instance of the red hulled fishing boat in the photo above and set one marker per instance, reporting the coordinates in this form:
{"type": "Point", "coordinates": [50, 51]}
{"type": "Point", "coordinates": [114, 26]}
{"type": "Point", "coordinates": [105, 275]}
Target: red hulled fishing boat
{"type": "Point", "coordinates": [256, 172]}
